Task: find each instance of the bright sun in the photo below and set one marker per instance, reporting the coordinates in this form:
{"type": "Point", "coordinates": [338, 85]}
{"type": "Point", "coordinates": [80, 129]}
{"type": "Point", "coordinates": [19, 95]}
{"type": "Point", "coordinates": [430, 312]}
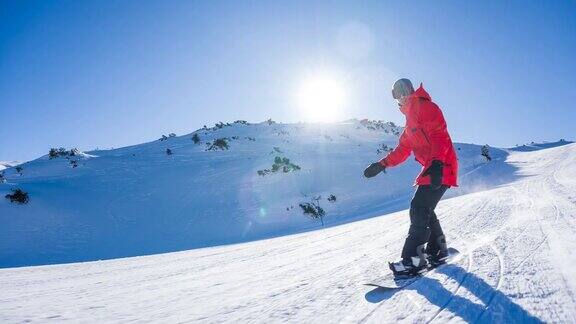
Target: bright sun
{"type": "Point", "coordinates": [321, 98]}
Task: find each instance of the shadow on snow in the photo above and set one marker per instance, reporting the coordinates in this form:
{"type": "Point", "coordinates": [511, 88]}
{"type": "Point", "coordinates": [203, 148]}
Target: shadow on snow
{"type": "Point", "coordinates": [495, 307]}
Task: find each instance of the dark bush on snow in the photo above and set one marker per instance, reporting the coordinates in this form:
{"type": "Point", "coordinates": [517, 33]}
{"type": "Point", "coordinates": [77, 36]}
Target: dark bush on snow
{"type": "Point", "coordinates": [53, 153]}
{"type": "Point", "coordinates": [219, 144]}
{"type": "Point", "coordinates": [164, 137]}
{"type": "Point", "coordinates": [280, 164]}
{"type": "Point", "coordinates": [19, 169]}
{"type": "Point", "coordinates": [19, 196]}
{"type": "Point", "coordinates": [2, 178]}
{"type": "Point", "coordinates": [169, 152]}
{"type": "Point", "coordinates": [383, 149]}
{"type": "Point", "coordinates": [313, 210]}
{"type": "Point", "coordinates": [485, 151]}
{"type": "Point", "coordinates": [332, 198]}
{"type": "Point", "coordinates": [62, 152]}
{"type": "Point", "coordinates": [387, 127]}
{"type": "Point", "coordinates": [195, 138]}
{"type": "Point", "coordinates": [220, 125]}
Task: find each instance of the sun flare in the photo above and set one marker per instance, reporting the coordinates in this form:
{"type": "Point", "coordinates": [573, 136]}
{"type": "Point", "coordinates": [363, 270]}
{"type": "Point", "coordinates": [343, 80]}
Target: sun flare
{"type": "Point", "coordinates": [321, 98]}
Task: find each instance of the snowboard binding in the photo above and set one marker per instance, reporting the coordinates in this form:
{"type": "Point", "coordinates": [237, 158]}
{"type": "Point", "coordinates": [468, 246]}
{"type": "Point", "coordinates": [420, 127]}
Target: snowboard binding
{"type": "Point", "coordinates": [408, 268]}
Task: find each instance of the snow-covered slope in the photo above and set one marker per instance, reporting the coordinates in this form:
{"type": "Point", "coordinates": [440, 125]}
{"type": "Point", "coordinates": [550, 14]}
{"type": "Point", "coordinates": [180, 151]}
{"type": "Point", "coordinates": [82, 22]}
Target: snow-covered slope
{"type": "Point", "coordinates": [517, 266]}
{"type": "Point", "coordinates": [139, 200]}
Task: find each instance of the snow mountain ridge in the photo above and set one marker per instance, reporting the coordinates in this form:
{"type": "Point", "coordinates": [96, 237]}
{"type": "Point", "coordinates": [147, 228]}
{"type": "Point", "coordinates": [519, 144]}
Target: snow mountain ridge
{"type": "Point", "coordinates": [8, 164]}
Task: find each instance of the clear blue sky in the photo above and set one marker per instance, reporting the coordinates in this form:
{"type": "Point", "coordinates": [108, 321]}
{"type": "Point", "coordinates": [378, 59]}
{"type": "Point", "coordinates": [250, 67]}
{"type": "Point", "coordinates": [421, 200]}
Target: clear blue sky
{"type": "Point", "coordinates": [112, 73]}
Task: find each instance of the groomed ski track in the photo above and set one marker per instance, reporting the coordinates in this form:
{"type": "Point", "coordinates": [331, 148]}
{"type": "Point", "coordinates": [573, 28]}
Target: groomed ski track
{"type": "Point", "coordinates": [519, 265]}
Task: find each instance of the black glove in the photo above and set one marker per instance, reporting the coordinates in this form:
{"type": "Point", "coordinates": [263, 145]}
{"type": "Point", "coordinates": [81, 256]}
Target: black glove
{"type": "Point", "coordinates": [373, 169]}
{"type": "Point", "coordinates": [435, 173]}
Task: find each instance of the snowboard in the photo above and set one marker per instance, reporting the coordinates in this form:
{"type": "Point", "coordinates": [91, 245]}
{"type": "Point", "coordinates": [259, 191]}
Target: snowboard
{"type": "Point", "coordinates": [391, 282]}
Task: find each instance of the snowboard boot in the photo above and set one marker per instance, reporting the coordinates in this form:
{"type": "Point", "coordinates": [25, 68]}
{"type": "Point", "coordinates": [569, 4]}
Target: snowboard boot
{"type": "Point", "coordinates": [408, 268]}
{"type": "Point", "coordinates": [438, 258]}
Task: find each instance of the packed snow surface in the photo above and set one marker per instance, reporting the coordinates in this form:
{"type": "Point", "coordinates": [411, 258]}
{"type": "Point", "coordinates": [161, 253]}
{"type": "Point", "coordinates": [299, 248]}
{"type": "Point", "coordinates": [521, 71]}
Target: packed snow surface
{"type": "Point", "coordinates": [516, 235]}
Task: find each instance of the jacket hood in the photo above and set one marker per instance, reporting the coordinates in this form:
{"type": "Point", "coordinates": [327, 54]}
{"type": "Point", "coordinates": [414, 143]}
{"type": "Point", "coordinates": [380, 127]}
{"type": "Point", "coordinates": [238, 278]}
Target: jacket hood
{"type": "Point", "coordinates": [419, 93]}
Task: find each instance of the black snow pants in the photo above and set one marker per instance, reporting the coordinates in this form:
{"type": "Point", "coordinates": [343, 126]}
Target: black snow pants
{"type": "Point", "coordinates": [425, 234]}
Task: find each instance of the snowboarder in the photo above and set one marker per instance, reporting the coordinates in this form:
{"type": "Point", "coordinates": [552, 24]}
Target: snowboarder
{"type": "Point", "coordinates": [426, 135]}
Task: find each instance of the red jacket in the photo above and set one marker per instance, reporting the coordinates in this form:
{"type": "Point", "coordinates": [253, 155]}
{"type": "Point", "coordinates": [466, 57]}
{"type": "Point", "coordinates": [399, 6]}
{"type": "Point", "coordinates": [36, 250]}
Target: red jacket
{"type": "Point", "coordinates": [427, 136]}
